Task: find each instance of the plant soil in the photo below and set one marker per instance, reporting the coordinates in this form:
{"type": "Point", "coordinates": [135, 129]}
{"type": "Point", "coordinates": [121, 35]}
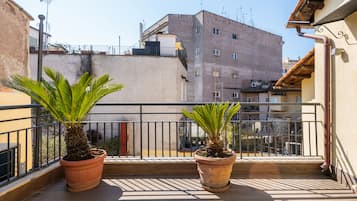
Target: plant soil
{"type": "Point", "coordinates": [204, 152]}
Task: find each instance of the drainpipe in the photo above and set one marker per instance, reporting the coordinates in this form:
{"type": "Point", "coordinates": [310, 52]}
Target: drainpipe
{"type": "Point", "coordinates": [327, 134]}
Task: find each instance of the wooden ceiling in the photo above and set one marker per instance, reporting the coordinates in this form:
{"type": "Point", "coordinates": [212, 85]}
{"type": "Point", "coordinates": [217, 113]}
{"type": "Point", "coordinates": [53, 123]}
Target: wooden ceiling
{"type": "Point", "coordinates": [303, 14]}
{"type": "Point", "coordinates": [301, 70]}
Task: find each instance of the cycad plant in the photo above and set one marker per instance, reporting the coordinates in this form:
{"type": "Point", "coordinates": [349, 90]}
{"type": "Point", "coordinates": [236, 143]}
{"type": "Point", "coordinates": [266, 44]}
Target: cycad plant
{"type": "Point", "coordinates": [69, 104]}
{"type": "Point", "coordinates": [213, 119]}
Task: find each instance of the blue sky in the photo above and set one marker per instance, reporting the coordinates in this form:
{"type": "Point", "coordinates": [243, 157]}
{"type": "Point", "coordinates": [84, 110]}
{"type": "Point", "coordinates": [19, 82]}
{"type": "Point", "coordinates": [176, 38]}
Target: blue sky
{"type": "Point", "coordinates": [101, 22]}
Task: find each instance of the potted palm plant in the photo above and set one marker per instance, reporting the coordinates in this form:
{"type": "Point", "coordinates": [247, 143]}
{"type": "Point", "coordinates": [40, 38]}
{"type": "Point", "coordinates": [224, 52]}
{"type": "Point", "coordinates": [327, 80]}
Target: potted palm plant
{"type": "Point", "coordinates": [214, 163]}
{"type": "Point", "coordinates": [69, 104]}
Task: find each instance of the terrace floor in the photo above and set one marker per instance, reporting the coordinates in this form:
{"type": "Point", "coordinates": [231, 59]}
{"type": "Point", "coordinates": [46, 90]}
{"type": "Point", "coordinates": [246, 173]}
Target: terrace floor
{"type": "Point", "coordinates": [188, 188]}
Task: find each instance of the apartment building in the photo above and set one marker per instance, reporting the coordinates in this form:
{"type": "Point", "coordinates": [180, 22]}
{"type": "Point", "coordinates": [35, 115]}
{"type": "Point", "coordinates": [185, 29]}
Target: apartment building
{"type": "Point", "coordinates": [287, 64]}
{"type": "Point", "coordinates": [223, 55]}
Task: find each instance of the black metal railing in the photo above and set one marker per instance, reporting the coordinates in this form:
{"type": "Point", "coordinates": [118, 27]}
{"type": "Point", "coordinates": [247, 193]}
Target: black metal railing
{"type": "Point", "coordinates": [18, 156]}
{"type": "Point", "coordinates": [154, 130]}
{"type": "Point", "coordinates": [159, 130]}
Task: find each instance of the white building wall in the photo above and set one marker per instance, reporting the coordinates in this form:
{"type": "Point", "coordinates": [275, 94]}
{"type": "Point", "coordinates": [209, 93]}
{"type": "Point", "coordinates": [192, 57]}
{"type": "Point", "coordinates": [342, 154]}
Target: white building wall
{"type": "Point", "coordinates": [145, 79]}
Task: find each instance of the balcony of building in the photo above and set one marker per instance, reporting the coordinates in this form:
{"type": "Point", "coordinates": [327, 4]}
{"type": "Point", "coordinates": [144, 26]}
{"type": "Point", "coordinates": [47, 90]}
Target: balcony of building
{"type": "Point", "coordinates": [150, 150]}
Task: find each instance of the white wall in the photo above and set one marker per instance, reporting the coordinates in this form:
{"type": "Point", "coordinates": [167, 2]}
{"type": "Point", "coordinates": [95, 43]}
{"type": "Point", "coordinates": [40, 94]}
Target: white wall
{"type": "Point", "coordinates": [167, 44]}
{"type": "Point", "coordinates": [145, 79]}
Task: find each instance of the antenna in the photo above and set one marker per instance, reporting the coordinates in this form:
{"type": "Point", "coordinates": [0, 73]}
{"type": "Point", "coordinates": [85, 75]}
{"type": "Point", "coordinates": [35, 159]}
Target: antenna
{"type": "Point", "coordinates": [48, 2]}
{"type": "Point", "coordinates": [237, 17]}
{"type": "Point", "coordinates": [222, 12]}
{"type": "Point", "coordinates": [251, 17]}
{"type": "Point", "coordinates": [201, 4]}
{"type": "Point", "coordinates": [243, 16]}
{"type": "Point", "coordinates": [242, 20]}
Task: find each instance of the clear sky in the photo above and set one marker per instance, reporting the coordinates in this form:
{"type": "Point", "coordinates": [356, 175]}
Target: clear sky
{"type": "Point", "coordinates": [100, 22]}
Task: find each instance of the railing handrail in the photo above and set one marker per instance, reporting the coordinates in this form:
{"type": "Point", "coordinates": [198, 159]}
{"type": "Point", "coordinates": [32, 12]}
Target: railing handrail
{"type": "Point", "coordinates": [11, 107]}
{"type": "Point", "coordinates": [14, 107]}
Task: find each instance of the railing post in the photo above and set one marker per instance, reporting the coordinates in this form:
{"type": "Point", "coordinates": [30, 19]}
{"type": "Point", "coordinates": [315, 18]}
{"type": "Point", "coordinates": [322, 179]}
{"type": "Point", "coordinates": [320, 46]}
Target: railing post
{"type": "Point", "coordinates": [289, 139]}
{"type": "Point", "coordinates": [240, 138]}
{"type": "Point", "coordinates": [59, 140]}
{"type": "Point", "coordinates": [141, 131]}
{"type": "Point", "coordinates": [315, 111]}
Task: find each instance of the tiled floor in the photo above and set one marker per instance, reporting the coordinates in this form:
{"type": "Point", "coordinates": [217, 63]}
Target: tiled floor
{"type": "Point", "coordinates": [161, 188]}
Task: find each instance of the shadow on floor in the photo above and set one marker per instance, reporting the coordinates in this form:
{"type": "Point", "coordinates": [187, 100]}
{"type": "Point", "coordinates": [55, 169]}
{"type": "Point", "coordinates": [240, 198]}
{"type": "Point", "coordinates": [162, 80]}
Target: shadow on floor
{"type": "Point", "coordinates": [189, 188]}
{"type": "Point", "coordinates": [58, 192]}
{"type": "Point", "coordinates": [238, 192]}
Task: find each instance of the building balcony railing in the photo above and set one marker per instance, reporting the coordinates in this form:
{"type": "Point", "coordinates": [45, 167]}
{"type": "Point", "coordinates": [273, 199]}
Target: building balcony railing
{"type": "Point", "coordinates": [151, 130]}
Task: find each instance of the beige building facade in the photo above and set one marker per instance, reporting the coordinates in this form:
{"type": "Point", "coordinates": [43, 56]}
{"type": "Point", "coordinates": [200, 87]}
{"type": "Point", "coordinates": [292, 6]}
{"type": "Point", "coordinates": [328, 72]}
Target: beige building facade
{"type": "Point", "coordinates": [335, 22]}
{"type": "Point", "coordinates": [14, 59]}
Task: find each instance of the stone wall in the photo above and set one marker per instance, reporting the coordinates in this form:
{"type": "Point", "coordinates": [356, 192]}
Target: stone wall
{"type": "Point", "coordinates": [14, 32]}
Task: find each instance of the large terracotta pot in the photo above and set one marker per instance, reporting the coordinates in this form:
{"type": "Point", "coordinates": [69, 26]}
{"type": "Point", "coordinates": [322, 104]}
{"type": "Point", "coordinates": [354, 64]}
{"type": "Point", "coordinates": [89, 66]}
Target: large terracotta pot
{"type": "Point", "coordinates": [215, 172]}
{"type": "Point", "coordinates": [84, 175]}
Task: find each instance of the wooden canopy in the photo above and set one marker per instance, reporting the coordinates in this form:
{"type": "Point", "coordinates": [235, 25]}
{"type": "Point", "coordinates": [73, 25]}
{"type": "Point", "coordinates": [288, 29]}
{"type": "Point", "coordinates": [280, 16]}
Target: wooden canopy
{"type": "Point", "coordinates": [303, 14]}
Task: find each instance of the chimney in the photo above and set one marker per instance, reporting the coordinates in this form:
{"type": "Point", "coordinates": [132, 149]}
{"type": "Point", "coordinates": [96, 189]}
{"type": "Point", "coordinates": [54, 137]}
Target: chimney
{"type": "Point", "coordinates": [141, 27]}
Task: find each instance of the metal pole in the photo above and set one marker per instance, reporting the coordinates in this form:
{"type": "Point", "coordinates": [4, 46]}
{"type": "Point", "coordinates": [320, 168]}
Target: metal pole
{"type": "Point", "coordinates": [119, 44]}
{"type": "Point", "coordinates": [46, 30]}
{"type": "Point", "coordinates": [38, 131]}
{"type": "Point", "coordinates": [141, 131]}
{"type": "Point", "coordinates": [40, 48]}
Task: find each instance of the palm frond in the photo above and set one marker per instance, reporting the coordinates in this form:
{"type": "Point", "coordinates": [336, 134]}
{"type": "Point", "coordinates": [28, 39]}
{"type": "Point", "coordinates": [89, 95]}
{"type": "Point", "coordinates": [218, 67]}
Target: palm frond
{"type": "Point", "coordinates": [67, 103]}
{"type": "Point", "coordinates": [213, 118]}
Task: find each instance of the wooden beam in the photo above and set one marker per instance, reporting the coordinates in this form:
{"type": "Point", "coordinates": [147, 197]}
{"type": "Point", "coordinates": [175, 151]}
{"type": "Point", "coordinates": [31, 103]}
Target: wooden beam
{"type": "Point", "coordinates": [304, 76]}
{"type": "Point", "coordinates": [290, 85]}
{"type": "Point", "coordinates": [308, 67]}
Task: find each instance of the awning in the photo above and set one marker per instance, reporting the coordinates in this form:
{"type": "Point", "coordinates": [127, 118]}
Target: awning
{"type": "Point", "coordinates": [303, 14]}
{"type": "Point", "coordinates": [341, 12]}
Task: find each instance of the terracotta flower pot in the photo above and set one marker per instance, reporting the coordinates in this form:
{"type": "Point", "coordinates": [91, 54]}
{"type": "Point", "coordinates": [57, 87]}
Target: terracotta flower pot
{"type": "Point", "coordinates": [84, 175]}
{"type": "Point", "coordinates": [215, 172]}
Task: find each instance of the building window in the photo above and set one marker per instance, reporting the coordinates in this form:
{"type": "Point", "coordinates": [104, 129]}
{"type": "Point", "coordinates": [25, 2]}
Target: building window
{"type": "Point", "coordinates": [196, 73]}
{"type": "Point", "coordinates": [216, 94]}
{"type": "Point", "coordinates": [215, 31]}
{"type": "Point", "coordinates": [216, 52]}
{"type": "Point", "coordinates": [235, 76]}
{"type": "Point", "coordinates": [235, 95]}
{"type": "Point", "coordinates": [234, 56]}
{"type": "Point", "coordinates": [234, 36]}
{"type": "Point", "coordinates": [197, 30]}
{"type": "Point", "coordinates": [284, 71]}
{"type": "Point", "coordinates": [274, 100]}
{"type": "Point", "coordinates": [249, 99]}
{"type": "Point", "coordinates": [215, 74]}
{"type": "Point", "coordinates": [197, 51]}
{"type": "Point", "coordinates": [298, 99]}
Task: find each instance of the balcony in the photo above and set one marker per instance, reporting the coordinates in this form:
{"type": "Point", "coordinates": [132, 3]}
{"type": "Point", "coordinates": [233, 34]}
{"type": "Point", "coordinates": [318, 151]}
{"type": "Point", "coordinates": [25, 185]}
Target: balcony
{"type": "Point", "coordinates": [150, 155]}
